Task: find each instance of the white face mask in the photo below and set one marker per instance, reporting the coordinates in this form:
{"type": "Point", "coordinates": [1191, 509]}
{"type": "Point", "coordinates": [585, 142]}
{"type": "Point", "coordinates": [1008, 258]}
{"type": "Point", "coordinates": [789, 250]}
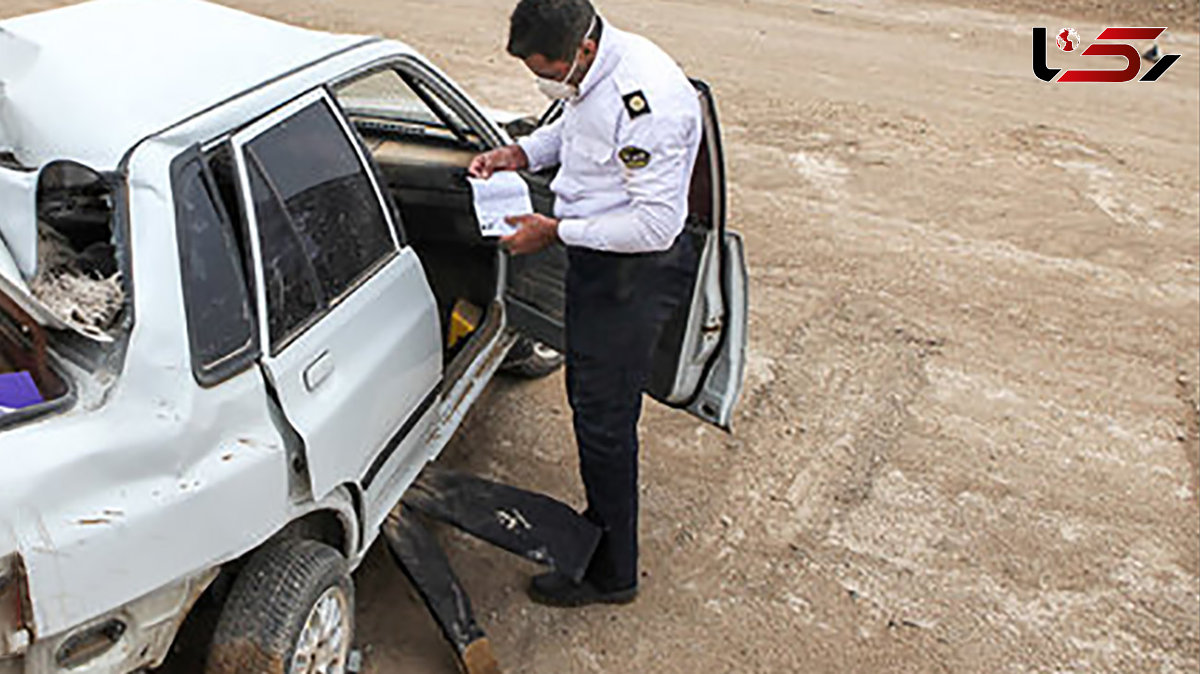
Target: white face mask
{"type": "Point", "coordinates": [561, 91]}
{"type": "Point", "coordinates": [558, 91]}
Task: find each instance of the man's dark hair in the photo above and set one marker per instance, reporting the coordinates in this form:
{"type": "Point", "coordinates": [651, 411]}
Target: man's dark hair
{"type": "Point", "coordinates": [552, 28]}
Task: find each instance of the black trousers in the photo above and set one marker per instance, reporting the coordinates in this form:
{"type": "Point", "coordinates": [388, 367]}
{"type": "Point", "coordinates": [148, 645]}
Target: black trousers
{"type": "Point", "coordinates": [617, 306]}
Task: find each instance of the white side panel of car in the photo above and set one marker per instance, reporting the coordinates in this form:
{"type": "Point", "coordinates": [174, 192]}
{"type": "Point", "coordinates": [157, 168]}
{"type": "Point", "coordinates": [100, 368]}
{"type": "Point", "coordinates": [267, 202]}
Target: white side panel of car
{"type": "Point", "coordinates": [352, 379]}
{"type": "Point", "coordinates": [382, 349]}
{"type": "Point", "coordinates": [182, 478]}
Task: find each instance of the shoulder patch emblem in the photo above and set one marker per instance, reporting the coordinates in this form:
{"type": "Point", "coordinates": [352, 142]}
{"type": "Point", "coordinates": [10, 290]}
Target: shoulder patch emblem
{"type": "Point", "coordinates": [634, 157]}
{"type": "Point", "coordinates": [636, 104]}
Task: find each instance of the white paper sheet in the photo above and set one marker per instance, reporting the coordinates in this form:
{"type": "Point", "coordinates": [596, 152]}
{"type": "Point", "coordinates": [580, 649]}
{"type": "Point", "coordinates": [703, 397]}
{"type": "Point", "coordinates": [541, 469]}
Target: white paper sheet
{"type": "Point", "coordinates": [498, 197]}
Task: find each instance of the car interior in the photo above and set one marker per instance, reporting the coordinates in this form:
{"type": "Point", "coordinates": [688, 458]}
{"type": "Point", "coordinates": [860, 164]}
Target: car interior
{"type": "Point", "coordinates": [422, 148]}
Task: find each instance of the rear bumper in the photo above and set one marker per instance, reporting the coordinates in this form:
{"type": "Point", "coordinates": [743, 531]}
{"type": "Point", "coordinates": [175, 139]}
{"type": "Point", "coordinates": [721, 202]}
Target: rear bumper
{"type": "Point", "coordinates": [138, 635]}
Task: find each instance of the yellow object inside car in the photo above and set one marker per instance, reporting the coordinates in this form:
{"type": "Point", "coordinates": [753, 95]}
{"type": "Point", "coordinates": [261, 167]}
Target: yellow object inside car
{"type": "Point", "coordinates": [464, 320]}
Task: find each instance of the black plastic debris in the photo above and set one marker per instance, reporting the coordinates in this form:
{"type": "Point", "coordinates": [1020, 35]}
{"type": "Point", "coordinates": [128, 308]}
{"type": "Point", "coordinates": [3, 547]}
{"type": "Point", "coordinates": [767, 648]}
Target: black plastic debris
{"type": "Point", "coordinates": [533, 526]}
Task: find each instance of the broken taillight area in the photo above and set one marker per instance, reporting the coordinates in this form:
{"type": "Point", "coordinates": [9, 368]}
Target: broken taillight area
{"type": "Point", "coordinates": [29, 384]}
{"type": "Point", "coordinates": [15, 635]}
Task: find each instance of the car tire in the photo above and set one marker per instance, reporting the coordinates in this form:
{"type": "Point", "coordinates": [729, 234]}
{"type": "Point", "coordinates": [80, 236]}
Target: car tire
{"type": "Point", "coordinates": [530, 359]}
{"type": "Point", "coordinates": [293, 600]}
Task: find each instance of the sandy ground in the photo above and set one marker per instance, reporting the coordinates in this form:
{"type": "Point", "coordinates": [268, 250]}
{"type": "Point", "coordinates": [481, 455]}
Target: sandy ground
{"type": "Point", "coordinates": [968, 441]}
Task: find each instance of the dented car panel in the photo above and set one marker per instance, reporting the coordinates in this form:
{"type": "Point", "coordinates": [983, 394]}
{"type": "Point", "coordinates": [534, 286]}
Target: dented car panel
{"type": "Point", "coordinates": [65, 57]}
{"type": "Point", "coordinates": [145, 459]}
{"type": "Point", "coordinates": [139, 634]}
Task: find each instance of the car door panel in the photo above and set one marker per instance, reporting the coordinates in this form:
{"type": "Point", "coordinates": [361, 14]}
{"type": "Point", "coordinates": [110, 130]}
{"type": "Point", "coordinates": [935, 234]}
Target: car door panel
{"type": "Point", "coordinates": [716, 381]}
{"type": "Point", "coordinates": [352, 379]}
{"type": "Point", "coordinates": [351, 376]}
{"type": "Point", "coordinates": [536, 291]}
{"type": "Point", "coordinates": [692, 336]}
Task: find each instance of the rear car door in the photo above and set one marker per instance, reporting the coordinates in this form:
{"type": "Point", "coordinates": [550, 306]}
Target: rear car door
{"type": "Point", "coordinates": [348, 322]}
{"type": "Point", "coordinates": [700, 360]}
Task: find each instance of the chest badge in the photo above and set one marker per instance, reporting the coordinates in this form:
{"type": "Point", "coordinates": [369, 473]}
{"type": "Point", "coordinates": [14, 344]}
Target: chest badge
{"type": "Point", "coordinates": [634, 157]}
{"type": "Point", "coordinates": [636, 104]}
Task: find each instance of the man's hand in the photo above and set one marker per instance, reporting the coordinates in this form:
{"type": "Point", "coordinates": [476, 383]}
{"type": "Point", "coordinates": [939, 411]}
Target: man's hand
{"type": "Point", "coordinates": [536, 233]}
{"type": "Point", "coordinates": [507, 158]}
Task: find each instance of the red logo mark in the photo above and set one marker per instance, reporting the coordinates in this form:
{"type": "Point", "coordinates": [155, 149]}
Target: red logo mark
{"type": "Point", "coordinates": [1068, 39]}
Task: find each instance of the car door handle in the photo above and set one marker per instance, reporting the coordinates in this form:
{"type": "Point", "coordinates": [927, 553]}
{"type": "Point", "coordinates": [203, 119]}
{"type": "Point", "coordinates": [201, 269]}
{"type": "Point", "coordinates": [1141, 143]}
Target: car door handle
{"type": "Point", "coordinates": [318, 371]}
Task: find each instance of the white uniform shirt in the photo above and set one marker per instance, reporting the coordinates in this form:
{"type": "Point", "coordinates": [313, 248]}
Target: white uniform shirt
{"type": "Point", "coordinates": [627, 146]}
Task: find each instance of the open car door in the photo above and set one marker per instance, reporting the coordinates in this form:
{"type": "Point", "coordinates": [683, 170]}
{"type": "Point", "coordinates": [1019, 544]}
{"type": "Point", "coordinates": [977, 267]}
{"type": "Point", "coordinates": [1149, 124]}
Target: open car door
{"type": "Point", "coordinates": [700, 359]}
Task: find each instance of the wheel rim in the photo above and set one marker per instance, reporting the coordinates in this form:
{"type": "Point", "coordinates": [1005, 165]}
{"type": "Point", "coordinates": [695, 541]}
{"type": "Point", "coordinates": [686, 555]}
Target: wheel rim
{"type": "Point", "coordinates": [324, 644]}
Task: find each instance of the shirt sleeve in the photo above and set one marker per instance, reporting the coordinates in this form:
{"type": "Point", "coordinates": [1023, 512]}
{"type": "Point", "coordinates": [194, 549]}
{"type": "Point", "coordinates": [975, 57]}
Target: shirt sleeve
{"type": "Point", "coordinates": [542, 147]}
{"type": "Point", "coordinates": [655, 151]}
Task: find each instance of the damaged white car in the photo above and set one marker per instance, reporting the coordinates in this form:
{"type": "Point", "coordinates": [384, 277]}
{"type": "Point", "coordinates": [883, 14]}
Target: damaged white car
{"type": "Point", "coordinates": [243, 302]}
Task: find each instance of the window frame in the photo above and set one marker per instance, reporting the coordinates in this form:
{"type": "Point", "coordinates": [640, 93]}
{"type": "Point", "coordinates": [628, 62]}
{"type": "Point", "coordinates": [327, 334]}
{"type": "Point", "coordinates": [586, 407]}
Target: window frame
{"type": "Point", "coordinates": [228, 366]}
{"type": "Point", "coordinates": [432, 83]}
{"type": "Point", "coordinates": [239, 142]}
{"type": "Point", "coordinates": [448, 95]}
{"type": "Point", "coordinates": [444, 118]}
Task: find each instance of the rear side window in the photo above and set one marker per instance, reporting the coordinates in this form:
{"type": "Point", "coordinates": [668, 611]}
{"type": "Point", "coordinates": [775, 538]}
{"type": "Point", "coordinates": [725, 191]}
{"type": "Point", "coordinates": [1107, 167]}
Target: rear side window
{"type": "Point", "coordinates": [223, 168]}
{"type": "Point", "coordinates": [220, 314]}
{"type": "Point", "coordinates": [321, 227]}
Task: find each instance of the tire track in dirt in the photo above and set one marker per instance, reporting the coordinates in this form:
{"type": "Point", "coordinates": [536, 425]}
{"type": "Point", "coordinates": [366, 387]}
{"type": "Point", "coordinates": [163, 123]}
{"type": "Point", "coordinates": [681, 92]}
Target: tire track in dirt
{"type": "Point", "coordinates": [1189, 395]}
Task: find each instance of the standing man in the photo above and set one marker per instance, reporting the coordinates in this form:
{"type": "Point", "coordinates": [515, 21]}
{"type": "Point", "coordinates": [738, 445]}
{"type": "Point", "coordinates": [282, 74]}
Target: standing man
{"type": "Point", "coordinates": [627, 141]}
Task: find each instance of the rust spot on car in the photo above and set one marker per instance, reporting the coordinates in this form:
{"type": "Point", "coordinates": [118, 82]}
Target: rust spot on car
{"type": "Point", "coordinates": [93, 521]}
{"type": "Point", "coordinates": [228, 456]}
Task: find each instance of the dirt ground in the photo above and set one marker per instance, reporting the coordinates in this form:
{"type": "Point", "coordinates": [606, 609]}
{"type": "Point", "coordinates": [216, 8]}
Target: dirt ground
{"type": "Point", "coordinates": [968, 440]}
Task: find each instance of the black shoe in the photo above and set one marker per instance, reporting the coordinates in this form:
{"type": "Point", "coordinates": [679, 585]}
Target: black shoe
{"type": "Point", "coordinates": [555, 589]}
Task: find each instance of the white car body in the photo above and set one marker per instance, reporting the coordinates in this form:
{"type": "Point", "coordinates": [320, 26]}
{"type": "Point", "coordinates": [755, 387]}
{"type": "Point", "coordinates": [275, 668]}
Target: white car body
{"type": "Point", "coordinates": [122, 506]}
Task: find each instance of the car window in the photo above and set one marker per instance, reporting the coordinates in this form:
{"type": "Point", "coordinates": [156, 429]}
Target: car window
{"type": "Point", "coordinates": [223, 169]}
{"type": "Point", "coordinates": [320, 218]}
{"type": "Point", "coordinates": [387, 99]}
{"type": "Point", "coordinates": [292, 289]}
{"type": "Point", "coordinates": [220, 314]}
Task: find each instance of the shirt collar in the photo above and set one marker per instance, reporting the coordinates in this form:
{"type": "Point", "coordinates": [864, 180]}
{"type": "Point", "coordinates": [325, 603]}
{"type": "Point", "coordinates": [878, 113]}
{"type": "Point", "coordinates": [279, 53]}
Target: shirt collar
{"type": "Point", "coordinates": [607, 57]}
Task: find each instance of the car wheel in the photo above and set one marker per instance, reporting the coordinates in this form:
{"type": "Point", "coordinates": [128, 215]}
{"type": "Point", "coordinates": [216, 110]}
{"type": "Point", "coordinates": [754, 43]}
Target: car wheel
{"type": "Point", "coordinates": [291, 611]}
{"type": "Point", "coordinates": [531, 359]}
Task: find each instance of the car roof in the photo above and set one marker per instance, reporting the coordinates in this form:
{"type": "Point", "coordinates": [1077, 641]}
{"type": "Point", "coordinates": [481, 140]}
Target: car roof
{"type": "Point", "coordinates": [89, 81]}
